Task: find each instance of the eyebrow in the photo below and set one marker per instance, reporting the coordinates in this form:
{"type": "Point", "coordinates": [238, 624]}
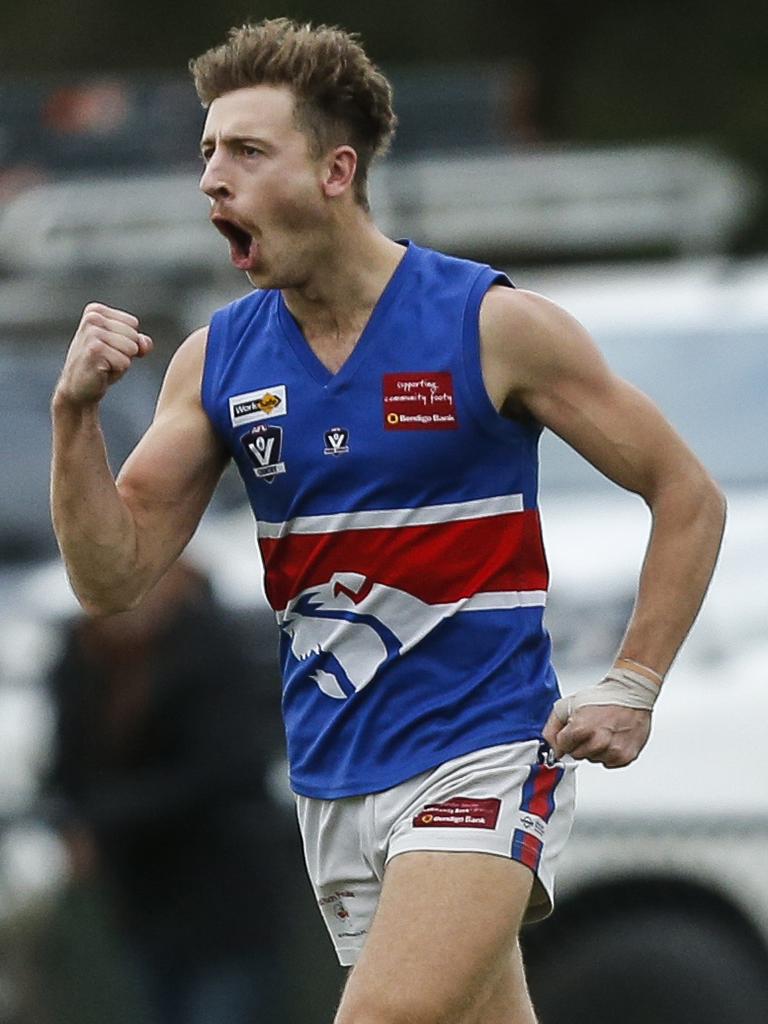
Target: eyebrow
{"type": "Point", "coordinates": [228, 140]}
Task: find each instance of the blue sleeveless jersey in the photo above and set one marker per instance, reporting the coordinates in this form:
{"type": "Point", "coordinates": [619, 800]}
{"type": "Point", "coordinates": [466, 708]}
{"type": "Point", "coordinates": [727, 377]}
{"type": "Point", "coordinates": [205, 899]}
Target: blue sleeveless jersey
{"type": "Point", "coordinates": [398, 526]}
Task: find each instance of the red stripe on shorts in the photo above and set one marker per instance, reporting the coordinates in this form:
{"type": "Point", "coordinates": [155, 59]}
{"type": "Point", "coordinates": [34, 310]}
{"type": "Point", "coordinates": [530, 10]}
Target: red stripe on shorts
{"type": "Point", "coordinates": [539, 791]}
{"type": "Point", "coordinates": [526, 849]}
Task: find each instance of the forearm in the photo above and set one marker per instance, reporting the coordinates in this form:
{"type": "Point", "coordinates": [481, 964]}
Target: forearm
{"type": "Point", "coordinates": [687, 528]}
{"type": "Point", "coordinates": [95, 529]}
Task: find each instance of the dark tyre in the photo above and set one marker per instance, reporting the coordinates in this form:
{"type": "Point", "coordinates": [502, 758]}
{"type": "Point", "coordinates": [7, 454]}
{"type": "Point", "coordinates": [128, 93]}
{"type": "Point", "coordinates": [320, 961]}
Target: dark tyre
{"type": "Point", "coordinates": [648, 967]}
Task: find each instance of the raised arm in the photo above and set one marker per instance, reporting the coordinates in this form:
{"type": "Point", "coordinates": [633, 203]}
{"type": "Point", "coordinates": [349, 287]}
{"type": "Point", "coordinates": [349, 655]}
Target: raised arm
{"type": "Point", "coordinates": [118, 537]}
{"type": "Point", "coordinates": [539, 361]}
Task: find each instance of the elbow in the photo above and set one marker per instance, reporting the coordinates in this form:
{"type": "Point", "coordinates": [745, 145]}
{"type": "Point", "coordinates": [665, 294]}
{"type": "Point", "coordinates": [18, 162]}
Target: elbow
{"type": "Point", "coordinates": [103, 603]}
{"type": "Point", "coordinates": [707, 505]}
{"type": "Point", "coordinates": [714, 500]}
{"type": "Point", "coordinates": [101, 609]}
{"type": "Point", "coordinates": [690, 495]}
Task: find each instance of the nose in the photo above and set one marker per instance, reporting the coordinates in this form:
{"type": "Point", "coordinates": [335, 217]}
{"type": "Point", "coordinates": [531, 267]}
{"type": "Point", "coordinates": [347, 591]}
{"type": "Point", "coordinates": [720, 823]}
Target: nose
{"type": "Point", "coordinates": [213, 180]}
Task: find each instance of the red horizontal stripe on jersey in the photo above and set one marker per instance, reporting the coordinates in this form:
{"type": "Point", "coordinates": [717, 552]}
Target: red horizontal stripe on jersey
{"type": "Point", "coordinates": [438, 563]}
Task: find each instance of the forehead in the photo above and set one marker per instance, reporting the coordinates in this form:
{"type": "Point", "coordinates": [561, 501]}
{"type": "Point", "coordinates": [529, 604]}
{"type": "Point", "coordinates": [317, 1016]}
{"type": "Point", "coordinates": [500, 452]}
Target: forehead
{"type": "Point", "coordinates": [257, 109]}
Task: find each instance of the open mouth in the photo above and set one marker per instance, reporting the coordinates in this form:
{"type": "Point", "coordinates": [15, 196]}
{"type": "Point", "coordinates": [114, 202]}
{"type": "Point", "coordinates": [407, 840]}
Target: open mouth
{"type": "Point", "coordinates": [240, 241]}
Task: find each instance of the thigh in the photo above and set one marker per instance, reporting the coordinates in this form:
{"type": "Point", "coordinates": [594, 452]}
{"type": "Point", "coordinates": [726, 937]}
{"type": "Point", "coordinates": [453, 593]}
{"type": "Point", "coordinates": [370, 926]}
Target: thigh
{"type": "Point", "coordinates": [507, 800]}
{"type": "Point", "coordinates": [442, 940]}
{"type": "Point", "coordinates": [508, 1001]}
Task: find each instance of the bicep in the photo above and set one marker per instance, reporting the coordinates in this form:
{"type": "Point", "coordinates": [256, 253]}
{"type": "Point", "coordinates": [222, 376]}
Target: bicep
{"type": "Point", "coordinates": [615, 427]}
{"type": "Point", "coordinates": [170, 476]}
{"type": "Point", "coordinates": [560, 377]}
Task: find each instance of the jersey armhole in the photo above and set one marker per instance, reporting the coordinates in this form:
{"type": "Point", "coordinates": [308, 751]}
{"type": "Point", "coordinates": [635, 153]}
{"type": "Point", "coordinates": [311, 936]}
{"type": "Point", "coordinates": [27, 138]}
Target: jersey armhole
{"type": "Point", "coordinates": [481, 406]}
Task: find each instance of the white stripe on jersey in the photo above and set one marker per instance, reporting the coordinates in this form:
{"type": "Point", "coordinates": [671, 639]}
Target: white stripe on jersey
{"type": "Point", "coordinates": [427, 515]}
{"type": "Point", "coordinates": [494, 599]}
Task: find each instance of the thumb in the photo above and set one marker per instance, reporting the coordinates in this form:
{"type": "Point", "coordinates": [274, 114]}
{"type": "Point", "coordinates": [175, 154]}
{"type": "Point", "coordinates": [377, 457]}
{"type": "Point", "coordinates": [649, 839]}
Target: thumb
{"type": "Point", "coordinates": [145, 345]}
{"type": "Point", "coordinates": [551, 731]}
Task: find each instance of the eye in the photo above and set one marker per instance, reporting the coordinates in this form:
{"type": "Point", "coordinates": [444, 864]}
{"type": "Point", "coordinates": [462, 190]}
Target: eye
{"type": "Point", "coordinates": [248, 149]}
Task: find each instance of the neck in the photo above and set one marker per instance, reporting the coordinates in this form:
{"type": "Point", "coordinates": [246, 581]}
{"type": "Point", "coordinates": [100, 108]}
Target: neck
{"type": "Point", "coordinates": [346, 281]}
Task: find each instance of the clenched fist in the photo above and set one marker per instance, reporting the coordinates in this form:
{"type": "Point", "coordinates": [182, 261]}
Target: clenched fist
{"type": "Point", "coordinates": [609, 735]}
{"type": "Point", "coordinates": [105, 344]}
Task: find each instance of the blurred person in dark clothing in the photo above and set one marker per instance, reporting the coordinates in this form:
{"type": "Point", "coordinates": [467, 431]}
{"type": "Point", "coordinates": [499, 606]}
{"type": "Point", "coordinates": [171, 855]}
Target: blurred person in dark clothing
{"type": "Point", "coordinates": [162, 745]}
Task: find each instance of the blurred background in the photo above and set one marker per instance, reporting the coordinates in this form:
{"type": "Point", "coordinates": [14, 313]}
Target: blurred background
{"type": "Point", "coordinates": [611, 155]}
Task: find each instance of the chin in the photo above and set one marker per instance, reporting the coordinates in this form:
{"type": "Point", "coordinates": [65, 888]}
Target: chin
{"type": "Point", "coordinates": [275, 279]}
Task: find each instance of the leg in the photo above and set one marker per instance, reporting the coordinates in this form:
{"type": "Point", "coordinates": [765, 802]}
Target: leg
{"type": "Point", "coordinates": [509, 1002]}
{"type": "Point", "coordinates": [443, 944]}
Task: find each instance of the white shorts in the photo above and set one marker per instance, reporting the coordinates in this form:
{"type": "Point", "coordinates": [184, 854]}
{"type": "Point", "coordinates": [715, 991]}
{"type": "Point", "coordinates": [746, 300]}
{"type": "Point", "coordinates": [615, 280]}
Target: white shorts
{"type": "Point", "coordinates": [505, 800]}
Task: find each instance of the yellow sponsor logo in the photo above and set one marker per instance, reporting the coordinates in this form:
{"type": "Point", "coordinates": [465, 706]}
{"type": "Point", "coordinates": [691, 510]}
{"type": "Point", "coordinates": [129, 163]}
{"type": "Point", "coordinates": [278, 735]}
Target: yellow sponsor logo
{"type": "Point", "coordinates": [268, 402]}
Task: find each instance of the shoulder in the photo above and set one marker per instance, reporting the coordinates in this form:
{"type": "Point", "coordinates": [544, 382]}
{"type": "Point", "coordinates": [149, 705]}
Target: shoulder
{"type": "Point", "coordinates": [527, 339]}
{"type": "Point", "coordinates": [189, 357]}
{"type": "Point", "coordinates": [515, 313]}
{"type": "Point", "coordinates": [236, 315]}
{"type": "Point", "coordinates": [440, 272]}
{"type": "Point", "coordinates": [185, 370]}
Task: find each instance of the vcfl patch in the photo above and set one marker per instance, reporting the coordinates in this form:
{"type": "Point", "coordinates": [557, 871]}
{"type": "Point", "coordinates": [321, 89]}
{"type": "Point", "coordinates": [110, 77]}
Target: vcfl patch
{"type": "Point", "coordinates": [336, 441]}
{"type": "Point", "coordinates": [263, 445]}
{"type": "Point", "coordinates": [258, 405]}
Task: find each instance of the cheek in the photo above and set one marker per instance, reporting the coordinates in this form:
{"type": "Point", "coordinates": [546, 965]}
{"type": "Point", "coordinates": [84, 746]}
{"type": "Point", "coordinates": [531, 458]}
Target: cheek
{"type": "Point", "coordinates": [299, 203]}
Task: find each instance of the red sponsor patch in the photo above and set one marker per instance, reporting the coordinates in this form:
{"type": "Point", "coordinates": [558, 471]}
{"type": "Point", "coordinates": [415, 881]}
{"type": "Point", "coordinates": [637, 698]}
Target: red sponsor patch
{"type": "Point", "coordinates": [419, 401]}
{"type": "Point", "coordinates": [461, 812]}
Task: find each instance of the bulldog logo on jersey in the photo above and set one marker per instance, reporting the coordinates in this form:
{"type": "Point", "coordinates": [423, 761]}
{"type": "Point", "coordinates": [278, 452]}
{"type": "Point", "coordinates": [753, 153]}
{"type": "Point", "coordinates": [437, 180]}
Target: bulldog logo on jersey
{"type": "Point", "coordinates": [263, 445]}
{"type": "Point", "coordinates": [352, 626]}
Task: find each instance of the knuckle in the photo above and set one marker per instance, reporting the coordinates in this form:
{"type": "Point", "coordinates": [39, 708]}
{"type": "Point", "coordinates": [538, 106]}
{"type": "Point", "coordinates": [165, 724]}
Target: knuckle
{"type": "Point", "coordinates": [94, 347]}
{"type": "Point", "coordinates": [579, 732]}
{"type": "Point", "coordinates": [92, 318]}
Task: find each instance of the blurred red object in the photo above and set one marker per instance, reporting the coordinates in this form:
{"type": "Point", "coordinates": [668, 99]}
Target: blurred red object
{"type": "Point", "coordinates": [88, 108]}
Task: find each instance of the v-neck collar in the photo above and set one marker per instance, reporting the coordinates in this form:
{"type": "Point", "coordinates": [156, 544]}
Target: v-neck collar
{"type": "Point", "coordinates": [303, 350]}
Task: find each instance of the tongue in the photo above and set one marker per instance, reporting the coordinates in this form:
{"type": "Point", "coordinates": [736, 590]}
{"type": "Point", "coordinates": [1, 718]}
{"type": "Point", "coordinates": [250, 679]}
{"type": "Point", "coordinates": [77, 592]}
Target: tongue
{"type": "Point", "coordinates": [241, 257]}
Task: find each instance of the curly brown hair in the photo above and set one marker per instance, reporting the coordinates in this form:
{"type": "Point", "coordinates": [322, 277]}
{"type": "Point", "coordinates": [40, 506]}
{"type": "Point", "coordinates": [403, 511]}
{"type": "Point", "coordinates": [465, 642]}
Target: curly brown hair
{"type": "Point", "coordinates": [341, 96]}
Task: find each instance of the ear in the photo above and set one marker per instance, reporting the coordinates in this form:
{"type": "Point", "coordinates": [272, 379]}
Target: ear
{"type": "Point", "coordinates": [340, 171]}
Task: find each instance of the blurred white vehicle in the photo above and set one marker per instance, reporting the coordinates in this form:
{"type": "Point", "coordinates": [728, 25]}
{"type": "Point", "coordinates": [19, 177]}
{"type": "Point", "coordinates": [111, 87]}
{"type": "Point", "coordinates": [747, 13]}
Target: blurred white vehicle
{"type": "Point", "coordinates": [663, 896]}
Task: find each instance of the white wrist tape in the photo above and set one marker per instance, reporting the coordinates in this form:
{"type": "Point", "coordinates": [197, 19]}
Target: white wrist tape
{"type": "Point", "coordinates": [620, 686]}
